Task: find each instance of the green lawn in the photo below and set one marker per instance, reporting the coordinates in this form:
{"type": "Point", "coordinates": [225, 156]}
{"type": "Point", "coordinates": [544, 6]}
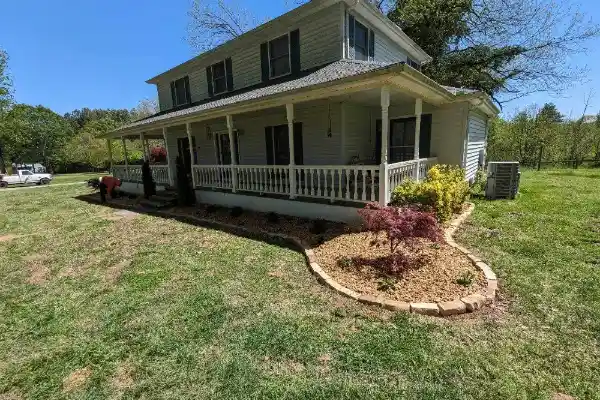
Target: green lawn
{"type": "Point", "coordinates": [96, 307]}
{"type": "Point", "coordinates": [72, 178]}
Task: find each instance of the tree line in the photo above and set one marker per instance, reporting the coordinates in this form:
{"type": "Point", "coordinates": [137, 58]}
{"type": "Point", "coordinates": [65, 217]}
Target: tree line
{"type": "Point", "coordinates": [540, 136]}
{"type": "Point", "coordinates": [62, 143]}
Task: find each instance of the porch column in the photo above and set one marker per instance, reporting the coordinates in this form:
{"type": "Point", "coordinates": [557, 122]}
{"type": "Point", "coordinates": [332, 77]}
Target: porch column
{"type": "Point", "coordinates": [110, 159]}
{"type": "Point", "coordinates": [234, 175]}
{"type": "Point", "coordinates": [289, 108]}
{"type": "Point", "coordinates": [418, 112]}
{"type": "Point", "coordinates": [144, 152]}
{"type": "Point", "coordinates": [125, 156]}
{"type": "Point", "coordinates": [385, 129]}
{"type": "Point", "coordinates": [188, 129]}
{"type": "Point", "coordinates": [168, 160]}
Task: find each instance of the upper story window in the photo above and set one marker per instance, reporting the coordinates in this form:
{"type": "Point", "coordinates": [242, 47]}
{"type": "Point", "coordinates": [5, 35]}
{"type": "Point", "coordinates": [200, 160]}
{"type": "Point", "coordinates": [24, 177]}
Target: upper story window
{"type": "Point", "coordinates": [361, 40]}
{"type": "Point", "coordinates": [180, 91]}
{"type": "Point", "coordinates": [279, 56]}
{"type": "Point", "coordinates": [219, 77]}
{"type": "Point", "coordinates": [413, 63]}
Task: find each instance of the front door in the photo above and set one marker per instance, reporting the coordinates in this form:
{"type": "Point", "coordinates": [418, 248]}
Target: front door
{"type": "Point", "coordinates": [401, 142]}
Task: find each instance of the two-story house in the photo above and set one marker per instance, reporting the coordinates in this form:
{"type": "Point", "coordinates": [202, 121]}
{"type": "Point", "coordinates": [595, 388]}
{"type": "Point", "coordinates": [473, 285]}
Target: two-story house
{"type": "Point", "coordinates": [320, 109]}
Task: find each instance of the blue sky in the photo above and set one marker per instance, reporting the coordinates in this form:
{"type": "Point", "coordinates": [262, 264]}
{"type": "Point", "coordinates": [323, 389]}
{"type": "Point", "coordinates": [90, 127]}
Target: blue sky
{"type": "Point", "coordinates": [68, 54]}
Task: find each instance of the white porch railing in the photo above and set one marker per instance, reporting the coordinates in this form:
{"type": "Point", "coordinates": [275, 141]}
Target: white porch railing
{"type": "Point", "coordinates": [414, 169]}
{"type": "Point", "coordinates": [213, 176]}
{"type": "Point", "coordinates": [133, 173]}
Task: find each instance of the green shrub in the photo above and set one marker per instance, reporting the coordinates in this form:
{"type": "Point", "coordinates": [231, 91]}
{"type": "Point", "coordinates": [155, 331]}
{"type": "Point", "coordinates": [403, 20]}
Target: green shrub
{"type": "Point", "coordinates": [479, 183]}
{"type": "Point", "coordinates": [444, 191]}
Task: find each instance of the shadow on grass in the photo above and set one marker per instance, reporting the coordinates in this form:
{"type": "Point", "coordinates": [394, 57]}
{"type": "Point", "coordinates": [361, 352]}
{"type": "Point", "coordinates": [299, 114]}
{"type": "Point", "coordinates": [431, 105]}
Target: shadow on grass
{"type": "Point", "coordinates": [330, 230]}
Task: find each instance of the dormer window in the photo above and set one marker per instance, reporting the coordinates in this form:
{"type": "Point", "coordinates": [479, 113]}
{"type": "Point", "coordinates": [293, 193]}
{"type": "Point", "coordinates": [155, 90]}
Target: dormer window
{"type": "Point", "coordinates": [180, 91]}
{"type": "Point", "coordinates": [279, 56]}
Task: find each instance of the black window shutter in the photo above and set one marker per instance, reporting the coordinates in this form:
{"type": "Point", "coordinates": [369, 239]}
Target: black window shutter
{"type": "Point", "coordinates": [351, 30]}
{"type": "Point", "coordinates": [295, 51]}
{"type": "Point", "coordinates": [188, 94]}
{"type": "Point", "coordinates": [372, 45]}
{"type": "Point", "coordinates": [173, 98]}
{"type": "Point", "coordinates": [378, 142]}
{"type": "Point", "coordinates": [209, 81]}
{"type": "Point", "coordinates": [264, 61]}
{"type": "Point", "coordinates": [298, 146]}
{"type": "Point", "coordinates": [269, 145]}
{"type": "Point", "coordinates": [229, 69]}
{"type": "Point", "coordinates": [425, 136]}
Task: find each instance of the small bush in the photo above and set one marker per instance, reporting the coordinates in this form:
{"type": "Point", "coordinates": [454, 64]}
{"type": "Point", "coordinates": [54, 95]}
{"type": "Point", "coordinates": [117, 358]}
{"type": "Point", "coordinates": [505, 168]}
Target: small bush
{"type": "Point", "coordinates": [236, 212]}
{"type": "Point", "coordinates": [401, 226]}
{"type": "Point", "coordinates": [318, 227]}
{"type": "Point", "coordinates": [479, 183]}
{"type": "Point", "coordinates": [466, 279]}
{"type": "Point", "coordinates": [444, 191]}
{"type": "Point", "coordinates": [273, 218]}
{"type": "Point", "coordinates": [386, 285]}
{"type": "Point", "coordinates": [346, 262]}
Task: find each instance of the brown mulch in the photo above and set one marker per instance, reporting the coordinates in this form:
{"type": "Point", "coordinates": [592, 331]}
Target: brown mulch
{"type": "Point", "coordinates": [432, 277]}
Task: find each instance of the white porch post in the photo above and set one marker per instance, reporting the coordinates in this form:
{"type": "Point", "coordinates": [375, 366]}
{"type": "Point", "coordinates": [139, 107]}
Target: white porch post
{"type": "Point", "coordinates": [418, 112]}
{"type": "Point", "coordinates": [385, 128]}
{"type": "Point", "coordinates": [234, 175]}
{"type": "Point", "coordinates": [289, 108]}
{"type": "Point", "coordinates": [110, 159]}
{"type": "Point", "coordinates": [188, 130]}
{"type": "Point", "coordinates": [168, 159]}
{"type": "Point", "coordinates": [125, 156]}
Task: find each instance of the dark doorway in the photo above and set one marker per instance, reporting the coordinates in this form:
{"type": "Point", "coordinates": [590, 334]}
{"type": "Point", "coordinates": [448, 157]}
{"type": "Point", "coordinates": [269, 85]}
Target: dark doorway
{"type": "Point", "coordinates": [401, 142]}
{"type": "Point", "coordinates": [183, 146]}
{"type": "Point", "coordinates": [277, 143]}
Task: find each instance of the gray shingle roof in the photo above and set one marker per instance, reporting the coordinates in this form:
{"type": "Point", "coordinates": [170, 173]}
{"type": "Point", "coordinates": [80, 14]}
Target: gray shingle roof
{"type": "Point", "coordinates": [456, 91]}
{"type": "Point", "coordinates": [337, 70]}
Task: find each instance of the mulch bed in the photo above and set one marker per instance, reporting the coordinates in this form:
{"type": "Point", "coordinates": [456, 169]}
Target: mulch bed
{"type": "Point", "coordinates": [433, 278]}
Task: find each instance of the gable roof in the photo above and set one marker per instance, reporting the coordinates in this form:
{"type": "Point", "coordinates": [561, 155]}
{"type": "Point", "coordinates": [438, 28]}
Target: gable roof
{"type": "Point", "coordinates": [363, 7]}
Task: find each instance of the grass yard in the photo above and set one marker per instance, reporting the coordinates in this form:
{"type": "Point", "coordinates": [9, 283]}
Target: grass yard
{"type": "Point", "coordinates": [99, 305]}
{"type": "Point", "coordinates": [79, 177]}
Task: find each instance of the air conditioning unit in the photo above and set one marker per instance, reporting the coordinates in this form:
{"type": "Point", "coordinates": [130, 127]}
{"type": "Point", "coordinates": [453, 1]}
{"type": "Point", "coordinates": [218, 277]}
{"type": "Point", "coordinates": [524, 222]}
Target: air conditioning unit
{"type": "Point", "coordinates": [503, 180]}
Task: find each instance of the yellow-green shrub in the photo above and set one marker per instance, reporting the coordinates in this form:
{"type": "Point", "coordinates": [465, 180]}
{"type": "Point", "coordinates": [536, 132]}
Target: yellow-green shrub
{"type": "Point", "coordinates": [444, 191]}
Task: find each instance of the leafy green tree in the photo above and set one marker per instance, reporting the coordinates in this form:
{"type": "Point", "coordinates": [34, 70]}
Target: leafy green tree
{"type": "Point", "coordinates": [5, 84]}
{"type": "Point", "coordinates": [79, 118]}
{"type": "Point", "coordinates": [510, 47]}
{"type": "Point", "coordinates": [33, 134]}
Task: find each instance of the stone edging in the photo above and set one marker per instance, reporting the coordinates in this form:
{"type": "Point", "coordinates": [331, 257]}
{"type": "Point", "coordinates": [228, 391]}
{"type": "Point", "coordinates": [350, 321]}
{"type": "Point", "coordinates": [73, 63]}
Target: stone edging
{"type": "Point", "coordinates": [466, 304]}
{"type": "Point", "coordinates": [470, 303]}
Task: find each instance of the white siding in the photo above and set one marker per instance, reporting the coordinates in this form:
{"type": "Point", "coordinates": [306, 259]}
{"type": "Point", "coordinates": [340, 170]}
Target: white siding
{"type": "Point", "coordinates": [358, 142]}
{"type": "Point", "coordinates": [318, 148]}
{"type": "Point", "coordinates": [385, 49]}
{"type": "Point", "coordinates": [447, 133]}
{"type": "Point", "coordinates": [320, 36]}
{"type": "Point", "coordinates": [476, 138]}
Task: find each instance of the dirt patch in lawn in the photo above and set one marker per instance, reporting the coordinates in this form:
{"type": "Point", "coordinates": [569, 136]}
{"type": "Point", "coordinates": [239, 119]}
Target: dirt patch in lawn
{"type": "Point", "coordinates": [352, 261]}
{"type": "Point", "coordinates": [114, 272]}
{"type": "Point", "coordinates": [39, 273]}
{"type": "Point", "coordinates": [123, 377]}
{"type": "Point", "coordinates": [7, 238]}
{"type": "Point", "coordinates": [76, 379]}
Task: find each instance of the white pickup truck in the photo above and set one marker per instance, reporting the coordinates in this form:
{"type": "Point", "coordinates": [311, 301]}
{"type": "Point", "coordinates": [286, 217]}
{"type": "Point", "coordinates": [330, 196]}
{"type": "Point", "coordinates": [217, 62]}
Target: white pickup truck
{"type": "Point", "coordinates": [24, 177]}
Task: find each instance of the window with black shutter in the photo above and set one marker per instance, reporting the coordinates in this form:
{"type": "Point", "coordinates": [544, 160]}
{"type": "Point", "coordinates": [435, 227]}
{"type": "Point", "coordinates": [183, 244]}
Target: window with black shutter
{"type": "Point", "coordinates": [180, 91]}
{"type": "Point", "coordinates": [219, 77]}
{"type": "Point", "coordinates": [361, 39]}
{"type": "Point", "coordinates": [279, 56]}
